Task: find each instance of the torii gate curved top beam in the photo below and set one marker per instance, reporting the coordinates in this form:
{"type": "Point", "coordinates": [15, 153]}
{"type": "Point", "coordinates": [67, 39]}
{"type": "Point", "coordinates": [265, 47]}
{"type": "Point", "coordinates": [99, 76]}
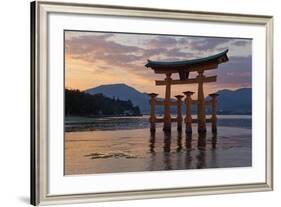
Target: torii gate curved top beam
{"type": "Point", "coordinates": [185, 66]}
{"type": "Point", "coordinates": [218, 58]}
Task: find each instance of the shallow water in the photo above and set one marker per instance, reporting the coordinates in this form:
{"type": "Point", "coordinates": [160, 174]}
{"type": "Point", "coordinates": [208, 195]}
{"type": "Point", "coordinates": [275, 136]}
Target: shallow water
{"type": "Point", "coordinates": [141, 122]}
{"type": "Point", "coordinates": [134, 150]}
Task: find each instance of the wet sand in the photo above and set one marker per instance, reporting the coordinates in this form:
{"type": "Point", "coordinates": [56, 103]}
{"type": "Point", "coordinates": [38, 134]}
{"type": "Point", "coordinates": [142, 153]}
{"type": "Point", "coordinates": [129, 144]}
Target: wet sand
{"type": "Point", "coordinates": [135, 150]}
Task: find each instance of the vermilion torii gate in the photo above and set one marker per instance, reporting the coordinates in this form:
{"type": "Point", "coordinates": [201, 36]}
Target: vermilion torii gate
{"type": "Point", "coordinates": [184, 68]}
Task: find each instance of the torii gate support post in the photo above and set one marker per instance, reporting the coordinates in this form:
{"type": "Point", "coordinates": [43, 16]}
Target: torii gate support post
{"type": "Point", "coordinates": [167, 115]}
{"type": "Point", "coordinates": [214, 111]}
{"type": "Point", "coordinates": [152, 118]}
{"type": "Point", "coordinates": [188, 117]}
{"type": "Point", "coordinates": [179, 111]}
{"type": "Point", "coordinates": [201, 103]}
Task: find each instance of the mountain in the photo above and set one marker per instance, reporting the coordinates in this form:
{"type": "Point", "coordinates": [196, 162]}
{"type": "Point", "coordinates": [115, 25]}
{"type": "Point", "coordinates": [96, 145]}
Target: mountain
{"type": "Point", "coordinates": [229, 102]}
{"type": "Point", "coordinates": [123, 92]}
{"type": "Point", "coordinates": [235, 102]}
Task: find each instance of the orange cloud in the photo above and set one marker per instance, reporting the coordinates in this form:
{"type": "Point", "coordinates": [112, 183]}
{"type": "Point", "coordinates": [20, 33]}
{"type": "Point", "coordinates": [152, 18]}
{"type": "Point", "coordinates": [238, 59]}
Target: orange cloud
{"type": "Point", "coordinates": [107, 58]}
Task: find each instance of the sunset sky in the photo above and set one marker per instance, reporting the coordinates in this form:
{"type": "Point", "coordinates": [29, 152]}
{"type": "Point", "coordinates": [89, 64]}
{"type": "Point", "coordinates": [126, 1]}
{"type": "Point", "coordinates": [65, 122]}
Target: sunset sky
{"type": "Point", "coordinates": [96, 58]}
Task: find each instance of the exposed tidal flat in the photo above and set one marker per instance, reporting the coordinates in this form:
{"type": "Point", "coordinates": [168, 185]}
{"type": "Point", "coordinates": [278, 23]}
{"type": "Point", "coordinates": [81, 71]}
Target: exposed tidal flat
{"type": "Point", "coordinates": [125, 144]}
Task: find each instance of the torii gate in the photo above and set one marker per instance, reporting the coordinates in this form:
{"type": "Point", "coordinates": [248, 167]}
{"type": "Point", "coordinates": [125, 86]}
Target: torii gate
{"type": "Point", "coordinates": [183, 68]}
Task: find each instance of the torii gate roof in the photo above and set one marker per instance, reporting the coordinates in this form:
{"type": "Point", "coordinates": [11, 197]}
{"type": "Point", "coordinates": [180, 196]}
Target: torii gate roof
{"type": "Point", "coordinates": [188, 65]}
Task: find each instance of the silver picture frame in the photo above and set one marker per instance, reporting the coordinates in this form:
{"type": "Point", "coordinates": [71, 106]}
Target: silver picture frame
{"type": "Point", "coordinates": [39, 100]}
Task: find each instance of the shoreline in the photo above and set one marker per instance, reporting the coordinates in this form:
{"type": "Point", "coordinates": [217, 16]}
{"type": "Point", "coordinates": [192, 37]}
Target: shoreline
{"type": "Point", "coordinates": [140, 122]}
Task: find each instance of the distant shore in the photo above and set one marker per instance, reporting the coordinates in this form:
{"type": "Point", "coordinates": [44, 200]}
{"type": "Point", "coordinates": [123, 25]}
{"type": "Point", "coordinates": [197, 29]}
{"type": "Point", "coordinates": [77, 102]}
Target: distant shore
{"type": "Point", "coordinates": [69, 117]}
{"type": "Point", "coordinates": [109, 123]}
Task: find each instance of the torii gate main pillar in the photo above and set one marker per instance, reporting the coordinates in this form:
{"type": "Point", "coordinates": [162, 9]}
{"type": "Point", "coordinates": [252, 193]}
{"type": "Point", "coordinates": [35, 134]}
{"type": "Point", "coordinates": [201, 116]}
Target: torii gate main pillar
{"type": "Point", "coordinates": [167, 114]}
{"type": "Point", "coordinates": [201, 113]}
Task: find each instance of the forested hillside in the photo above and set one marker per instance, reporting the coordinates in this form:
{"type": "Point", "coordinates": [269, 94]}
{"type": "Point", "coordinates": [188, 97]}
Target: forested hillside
{"type": "Point", "coordinates": [78, 103]}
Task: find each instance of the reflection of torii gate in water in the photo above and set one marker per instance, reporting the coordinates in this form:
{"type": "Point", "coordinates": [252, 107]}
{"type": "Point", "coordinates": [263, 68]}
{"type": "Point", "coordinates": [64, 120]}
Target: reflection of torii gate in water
{"type": "Point", "coordinates": [183, 68]}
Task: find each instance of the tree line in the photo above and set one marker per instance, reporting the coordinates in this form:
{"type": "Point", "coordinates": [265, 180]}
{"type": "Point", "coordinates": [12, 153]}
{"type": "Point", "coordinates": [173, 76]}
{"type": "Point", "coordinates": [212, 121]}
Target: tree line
{"type": "Point", "coordinates": [79, 103]}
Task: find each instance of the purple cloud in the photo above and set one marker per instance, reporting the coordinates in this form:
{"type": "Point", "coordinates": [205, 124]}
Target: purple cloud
{"type": "Point", "coordinates": [132, 58]}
